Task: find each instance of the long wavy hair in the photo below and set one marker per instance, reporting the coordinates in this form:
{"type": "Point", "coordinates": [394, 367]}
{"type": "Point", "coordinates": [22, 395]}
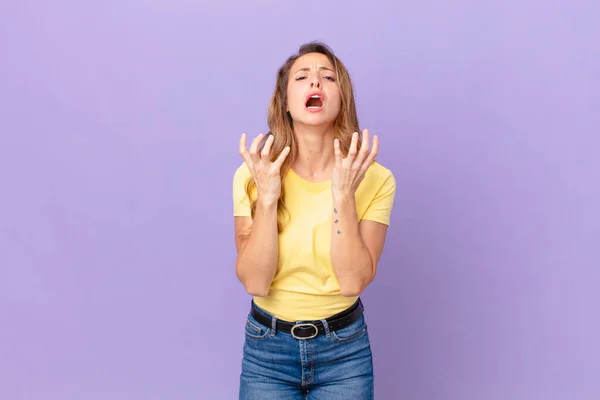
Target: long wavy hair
{"type": "Point", "coordinates": [281, 124]}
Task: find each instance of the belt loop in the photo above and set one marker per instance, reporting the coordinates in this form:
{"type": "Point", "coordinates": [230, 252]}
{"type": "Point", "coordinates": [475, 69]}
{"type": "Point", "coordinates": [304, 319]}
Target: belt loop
{"type": "Point", "coordinates": [273, 325]}
{"type": "Point", "coordinates": [326, 326]}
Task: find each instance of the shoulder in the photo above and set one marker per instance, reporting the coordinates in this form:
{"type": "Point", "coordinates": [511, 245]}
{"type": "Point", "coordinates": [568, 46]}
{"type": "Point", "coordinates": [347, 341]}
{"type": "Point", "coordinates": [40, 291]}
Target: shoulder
{"type": "Point", "coordinates": [241, 177]}
{"type": "Point", "coordinates": [376, 193]}
{"type": "Point", "coordinates": [378, 176]}
{"type": "Point", "coordinates": [241, 202]}
{"type": "Point", "coordinates": [242, 173]}
{"type": "Point", "coordinates": [378, 170]}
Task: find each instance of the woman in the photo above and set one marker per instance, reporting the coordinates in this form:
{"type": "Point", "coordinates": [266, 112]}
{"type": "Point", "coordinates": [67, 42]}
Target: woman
{"type": "Point", "coordinates": [311, 209]}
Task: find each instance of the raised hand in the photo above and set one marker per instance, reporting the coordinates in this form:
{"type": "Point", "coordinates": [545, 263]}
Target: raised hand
{"type": "Point", "coordinates": [266, 173]}
{"type": "Point", "coordinates": [349, 172]}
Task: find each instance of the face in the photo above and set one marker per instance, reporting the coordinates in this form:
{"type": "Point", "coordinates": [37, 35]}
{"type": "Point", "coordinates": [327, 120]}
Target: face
{"type": "Point", "coordinates": [313, 94]}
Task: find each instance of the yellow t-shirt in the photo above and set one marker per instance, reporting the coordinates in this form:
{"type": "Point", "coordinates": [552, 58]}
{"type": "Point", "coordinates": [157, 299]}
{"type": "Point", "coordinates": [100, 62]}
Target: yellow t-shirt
{"type": "Point", "coordinates": [305, 286]}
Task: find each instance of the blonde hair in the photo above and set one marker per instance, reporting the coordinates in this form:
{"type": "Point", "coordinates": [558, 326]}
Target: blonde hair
{"type": "Point", "coordinates": [281, 125]}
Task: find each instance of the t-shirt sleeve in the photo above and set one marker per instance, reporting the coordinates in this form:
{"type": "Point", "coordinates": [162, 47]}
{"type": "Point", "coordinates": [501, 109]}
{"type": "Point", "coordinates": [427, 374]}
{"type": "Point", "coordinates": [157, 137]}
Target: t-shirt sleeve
{"type": "Point", "coordinates": [241, 203]}
{"type": "Point", "coordinates": [380, 208]}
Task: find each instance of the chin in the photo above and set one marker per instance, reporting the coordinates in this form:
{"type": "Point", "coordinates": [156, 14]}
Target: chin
{"type": "Point", "coordinates": [316, 120]}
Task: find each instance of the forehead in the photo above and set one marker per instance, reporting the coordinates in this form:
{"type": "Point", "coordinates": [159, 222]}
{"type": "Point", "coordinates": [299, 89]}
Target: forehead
{"type": "Point", "coordinates": [313, 61]}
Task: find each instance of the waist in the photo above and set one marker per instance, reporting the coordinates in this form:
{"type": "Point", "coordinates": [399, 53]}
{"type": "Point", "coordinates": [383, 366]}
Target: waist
{"type": "Point", "coordinates": [294, 306]}
{"type": "Point", "coordinates": [307, 329]}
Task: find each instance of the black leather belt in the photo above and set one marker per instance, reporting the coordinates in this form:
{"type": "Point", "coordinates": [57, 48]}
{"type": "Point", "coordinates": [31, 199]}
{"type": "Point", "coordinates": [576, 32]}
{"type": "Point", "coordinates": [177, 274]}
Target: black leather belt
{"type": "Point", "coordinates": [310, 329]}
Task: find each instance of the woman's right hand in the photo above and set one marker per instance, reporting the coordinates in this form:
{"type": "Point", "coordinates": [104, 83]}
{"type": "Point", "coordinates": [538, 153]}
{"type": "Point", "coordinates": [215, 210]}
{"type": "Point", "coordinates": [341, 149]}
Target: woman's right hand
{"type": "Point", "coordinates": [266, 174]}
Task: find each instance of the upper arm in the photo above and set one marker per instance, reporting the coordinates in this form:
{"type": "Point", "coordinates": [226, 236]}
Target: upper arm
{"type": "Point", "coordinates": [376, 219]}
{"type": "Point", "coordinates": [241, 207]}
{"type": "Point", "coordinates": [242, 226]}
{"type": "Point", "coordinates": [373, 235]}
{"type": "Point", "coordinates": [380, 206]}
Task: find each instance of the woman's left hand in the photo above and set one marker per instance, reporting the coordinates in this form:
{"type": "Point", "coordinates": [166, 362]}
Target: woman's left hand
{"type": "Point", "coordinates": [349, 172]}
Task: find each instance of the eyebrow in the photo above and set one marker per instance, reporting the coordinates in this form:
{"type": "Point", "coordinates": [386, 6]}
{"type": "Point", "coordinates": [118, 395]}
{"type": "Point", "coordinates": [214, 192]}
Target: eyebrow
{"type": "Point", "coordinates": [308, 69]}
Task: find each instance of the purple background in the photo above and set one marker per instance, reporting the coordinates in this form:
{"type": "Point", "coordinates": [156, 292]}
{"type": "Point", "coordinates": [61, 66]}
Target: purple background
{"type": "Point", "coordinates": [119, 124]}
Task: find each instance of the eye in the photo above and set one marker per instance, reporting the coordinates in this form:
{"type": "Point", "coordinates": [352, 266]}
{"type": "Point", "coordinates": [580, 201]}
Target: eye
{"type": "Point", "coordinates": [300, 78]}
{"type": "Point", "coordinates": [330, 78]}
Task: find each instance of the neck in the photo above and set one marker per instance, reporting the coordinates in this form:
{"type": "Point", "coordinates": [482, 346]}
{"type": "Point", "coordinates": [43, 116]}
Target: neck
{"type": "Point", "coordinates": [315, 158]}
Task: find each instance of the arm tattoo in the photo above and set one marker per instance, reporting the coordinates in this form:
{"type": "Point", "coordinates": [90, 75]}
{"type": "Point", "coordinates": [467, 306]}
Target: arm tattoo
{"type": "Point", "coordinates": [339, 232]}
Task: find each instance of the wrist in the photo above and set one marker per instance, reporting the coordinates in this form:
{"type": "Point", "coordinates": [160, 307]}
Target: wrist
{"type": "Point", "coordinates": [343, 197]}
{"type": "Point", "coordinates": [266, 202]}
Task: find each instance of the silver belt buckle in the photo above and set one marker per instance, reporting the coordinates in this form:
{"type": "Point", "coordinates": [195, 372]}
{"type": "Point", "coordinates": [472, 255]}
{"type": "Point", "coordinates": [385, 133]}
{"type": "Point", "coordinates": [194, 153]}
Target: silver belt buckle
{"type": "Point", "coordinates": [304, 338]}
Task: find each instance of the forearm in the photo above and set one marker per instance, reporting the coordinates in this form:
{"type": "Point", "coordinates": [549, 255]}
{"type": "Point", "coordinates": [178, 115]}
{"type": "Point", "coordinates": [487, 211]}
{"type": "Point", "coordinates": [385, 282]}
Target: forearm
{"type": "Point", "coordinates": [257, 260]}
{"type": "Point", "coordinates": [350, 257]}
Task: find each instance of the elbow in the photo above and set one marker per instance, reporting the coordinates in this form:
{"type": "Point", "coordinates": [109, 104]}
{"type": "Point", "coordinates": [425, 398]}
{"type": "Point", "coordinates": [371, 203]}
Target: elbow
{"type": "Point", "coordinates": [253, 286]}
{"type": "Point", "coordinates": [353, 289]}
{"type": "Point", "coordinates": [256, 292]}
{"type": "Point", "coordinates": [256, 289]}
{"type": "Point", "coordinates": [350, 292]}
{"type": "Point", "coordinates": [355, 286]}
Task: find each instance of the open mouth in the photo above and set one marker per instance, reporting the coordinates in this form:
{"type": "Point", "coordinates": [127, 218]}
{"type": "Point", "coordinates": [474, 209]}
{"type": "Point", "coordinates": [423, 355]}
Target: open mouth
{"type": "Point", "coordinates": [314, 102]}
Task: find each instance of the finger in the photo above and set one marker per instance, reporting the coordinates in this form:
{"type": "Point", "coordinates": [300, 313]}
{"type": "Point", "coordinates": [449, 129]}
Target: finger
{"type": "Point", "coordinates": [337, 151]}
{"type": "Point", "coordinates": [254, 148]}
{"type": "Point", "coordinates": [267, 147]}
{"type": "Point", "coordinates": [364, 149]}
{"type": "Point", "coordinates": [244, 151]}
{"type": "Point", "coordinates": [352, 150]}
{"type": "Point", "coordinates": [282, 156]}
{"type": "Point", "coordinates": [371, 157]}
{"type": "Point", "coordinates": [242, 143]}
{"type": "Point", "coordinates": [375, 149]}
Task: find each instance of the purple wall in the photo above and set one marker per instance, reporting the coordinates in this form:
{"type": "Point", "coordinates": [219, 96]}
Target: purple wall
{"type": "Point", "coordinates": [116, 250]}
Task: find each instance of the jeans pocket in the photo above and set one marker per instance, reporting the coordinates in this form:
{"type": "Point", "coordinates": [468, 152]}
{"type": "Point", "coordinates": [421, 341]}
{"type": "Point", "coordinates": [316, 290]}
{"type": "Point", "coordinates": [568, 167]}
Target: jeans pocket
{"type": "Point", "coordinates": [255, 330]}
{"type": "Point", "coordinates": [354, 331]}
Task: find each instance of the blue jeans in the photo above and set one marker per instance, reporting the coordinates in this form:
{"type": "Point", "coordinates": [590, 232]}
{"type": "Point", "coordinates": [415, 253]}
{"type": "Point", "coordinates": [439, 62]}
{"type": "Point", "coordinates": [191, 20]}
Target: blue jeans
{"type": "Point", "coordinates": [334, 365]}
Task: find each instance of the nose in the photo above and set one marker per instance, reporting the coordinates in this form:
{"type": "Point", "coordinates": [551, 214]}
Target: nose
{"type": "Point", "coordinates": [316, 81]}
